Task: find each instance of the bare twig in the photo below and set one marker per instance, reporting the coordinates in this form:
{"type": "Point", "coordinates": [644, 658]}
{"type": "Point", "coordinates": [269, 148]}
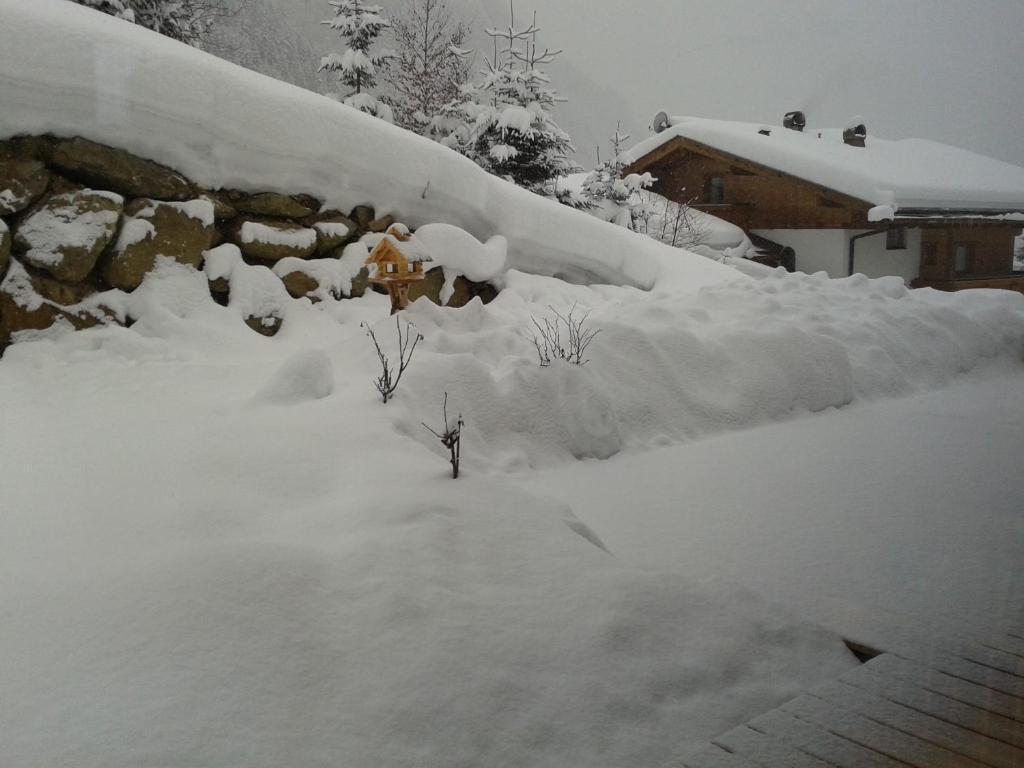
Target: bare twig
{"type": "Point", "coordinates": [388, 380]}
{"type": "Point", "coordinates": [451, 437]}
{"type": "Point", "coordinates": [547, 337]}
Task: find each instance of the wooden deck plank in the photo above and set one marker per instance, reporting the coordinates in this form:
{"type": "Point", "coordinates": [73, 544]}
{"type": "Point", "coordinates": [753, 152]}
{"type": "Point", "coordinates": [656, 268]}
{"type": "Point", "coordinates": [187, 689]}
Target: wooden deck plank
{"type": "Point", "coordinates": [766, 751]}
{"type": "Point", "coordinates": [995, 679]}
{"type": "Point", "coordinates": [820, 743]}
{"type": "Point", "coordinates": [1007, 644]}
{"type": "Point", "coordinates": [947, 685]}
{"type": "Point", "coordinates": [896, 744]}
{"type": "Point", "coordinates": [981, 749]}
{"type": "Point", "coordinates": [992, 657]}
{"type": "Point", "coordinates": [967, 649]}
{"type": "Point", "coordinates": [911, 694]}
{"type": "Point", "coordinates": [715, 757]}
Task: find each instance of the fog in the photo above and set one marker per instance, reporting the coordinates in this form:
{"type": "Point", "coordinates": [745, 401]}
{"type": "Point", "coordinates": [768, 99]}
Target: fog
{"type": "Point", "coordinates": [948, 70]}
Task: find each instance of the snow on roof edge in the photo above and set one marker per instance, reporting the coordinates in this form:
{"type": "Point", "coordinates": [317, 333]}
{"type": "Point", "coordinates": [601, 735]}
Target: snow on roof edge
{"type": "Point", "coordinates": [907, 173]}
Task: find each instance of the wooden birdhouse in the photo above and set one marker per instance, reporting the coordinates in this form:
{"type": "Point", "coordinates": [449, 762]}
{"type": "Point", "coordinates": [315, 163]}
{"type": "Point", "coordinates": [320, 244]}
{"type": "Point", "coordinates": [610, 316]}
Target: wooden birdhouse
{"type": "Point", "coordinates": [396, 261]}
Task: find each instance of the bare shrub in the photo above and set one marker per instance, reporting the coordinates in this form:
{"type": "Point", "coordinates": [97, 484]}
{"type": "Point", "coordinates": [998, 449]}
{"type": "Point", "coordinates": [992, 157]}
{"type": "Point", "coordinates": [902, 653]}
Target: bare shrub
{"type": "Point", "coordinates": [549, 342]}
{"type": "Point", "coordinates": [451, 437]}
{"type": "Point", "coordinates": [672, 223]}
{"type": "Point", "coordinates": [388, 380]}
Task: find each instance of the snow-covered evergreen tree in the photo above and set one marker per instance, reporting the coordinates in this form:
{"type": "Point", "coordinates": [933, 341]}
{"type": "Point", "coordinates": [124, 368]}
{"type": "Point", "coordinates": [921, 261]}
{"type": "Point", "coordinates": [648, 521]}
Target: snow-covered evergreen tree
{"type": "Point", "coordinates": [509, 127]}
{"type": "Point", "coordinates": [184, 20]}
{"type": "Point", "coordinates": [359, 25]}
{"type": "Point", "coordinates": [616, 197]}
{"type": "Point", "coordinates": [119, 8]}
{"type": "Point", "coordinates": [430, 65]}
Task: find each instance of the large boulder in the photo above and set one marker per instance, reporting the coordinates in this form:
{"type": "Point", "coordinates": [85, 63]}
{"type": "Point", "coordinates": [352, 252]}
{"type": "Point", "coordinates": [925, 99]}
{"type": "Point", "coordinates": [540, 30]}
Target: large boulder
{"type": "Point", "coordinates": [181, 231]}
{"type": "Point", "coordinates": [26, 304]}
{"type": "Point", "coordinates": [28, 148]}
{"type": "Point", "coordinates": [464, 290]}
{"type": "Point", "coordinates": [273, 240]}
{"type": "Point", "coordinates": [66, 234]}
{"type": "Point", "coordinates": [333, 229]}
{"type": "Point", "coordinates": [64, 294]}
{"type": "Point", "coordinates": [222, 208]}
{"type": "Point", "coordinates": [121, 171]}
{"type": "Point", "coordinates": [362, 215]}
{"type": "Point", "coordinates": [22, 182]}
{"type": "Point", "coordinates": [5, 248]}
{"type": "Point", "coordinates": [272, 204]}
{"type": "Point", "coordinates": [300, 284]}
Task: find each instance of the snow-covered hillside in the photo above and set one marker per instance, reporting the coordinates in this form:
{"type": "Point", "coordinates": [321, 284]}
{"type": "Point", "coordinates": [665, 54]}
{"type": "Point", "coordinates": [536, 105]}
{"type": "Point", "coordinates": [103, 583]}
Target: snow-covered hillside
{"type": "Point", "coordinates": [224, 126]}
{"type": "Point", "coordinates": [223, 549]}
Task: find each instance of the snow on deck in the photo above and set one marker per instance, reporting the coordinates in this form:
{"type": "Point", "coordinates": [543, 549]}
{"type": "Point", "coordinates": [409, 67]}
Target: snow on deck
{"type": "Point", "coordinates": [906, 173]}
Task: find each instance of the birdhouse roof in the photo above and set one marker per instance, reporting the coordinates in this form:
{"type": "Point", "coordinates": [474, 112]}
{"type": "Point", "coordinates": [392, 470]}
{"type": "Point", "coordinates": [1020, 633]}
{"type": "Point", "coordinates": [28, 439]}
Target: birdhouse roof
{"type": "Point", "coordinates": [398, 237]}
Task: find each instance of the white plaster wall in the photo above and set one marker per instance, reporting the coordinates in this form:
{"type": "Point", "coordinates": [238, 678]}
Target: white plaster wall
{"type": "Point", "coordinates": [816, 249]}
{"type": "Point", "coordinates": [872, 258]}
{"type": "Point", "coordinates": [829, 250]}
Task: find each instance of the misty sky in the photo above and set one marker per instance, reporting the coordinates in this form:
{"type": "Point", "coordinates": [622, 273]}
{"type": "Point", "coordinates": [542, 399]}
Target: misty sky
{"type": "Point", "coordinates": [949, 70]}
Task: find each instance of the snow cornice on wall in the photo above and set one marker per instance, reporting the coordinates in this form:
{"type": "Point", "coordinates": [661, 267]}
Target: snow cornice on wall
{"type": "Point", "coordinates": [69, 71]}
{"type": "Point", "coordinates": [908, 173]}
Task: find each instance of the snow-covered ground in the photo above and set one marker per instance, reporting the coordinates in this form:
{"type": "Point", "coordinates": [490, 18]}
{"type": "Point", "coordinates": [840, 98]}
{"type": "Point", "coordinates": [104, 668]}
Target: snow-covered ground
{"type": "Point", "coordinates": [898, 520]}
{"type": "Point", "coordinates": [222, 549]}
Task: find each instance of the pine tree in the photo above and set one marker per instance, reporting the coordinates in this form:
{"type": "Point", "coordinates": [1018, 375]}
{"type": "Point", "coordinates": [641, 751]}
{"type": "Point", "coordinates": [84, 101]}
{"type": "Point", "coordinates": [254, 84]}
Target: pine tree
{"type": "Point", "coordinates": [184, 20]}
{"type": "Point", "coordinates": [509, 127]}
{"type": "Point", "coordinates": [430, 64]}
{"type": "Point", "coordinates": [359, 25]}
{"type": "Point", "coordinates": [606, 189]}
{"type": "Point", "coordinates": [118, 8]}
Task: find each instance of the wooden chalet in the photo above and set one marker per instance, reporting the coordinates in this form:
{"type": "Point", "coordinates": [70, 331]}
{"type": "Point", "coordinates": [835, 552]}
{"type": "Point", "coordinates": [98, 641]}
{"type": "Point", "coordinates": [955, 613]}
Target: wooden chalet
{"type": "Point", "coordinates": [844, 201]}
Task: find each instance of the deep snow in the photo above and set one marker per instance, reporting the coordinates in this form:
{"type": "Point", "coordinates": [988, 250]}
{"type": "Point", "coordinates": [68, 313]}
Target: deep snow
{"type": "Point", "coordinates": [225, 126]}
{"type": "Point", "coordinates": [222, 549]}
{"type": "Point", "coordinates": [892, 521]}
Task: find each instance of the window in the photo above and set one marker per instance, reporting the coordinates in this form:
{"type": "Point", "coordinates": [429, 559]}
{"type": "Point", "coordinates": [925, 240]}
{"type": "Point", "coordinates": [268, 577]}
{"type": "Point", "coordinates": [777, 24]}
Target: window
{"type": "Point", "coordinates": [412, 266]}
{"type": "Point", "coordinates": [896, 239]}
{"type": "Point", "coordinates": [391, 269]}
{"type": "Point", "coordinates": [715, 190]}
{"type": "Point", "coordinates": [962, 258]}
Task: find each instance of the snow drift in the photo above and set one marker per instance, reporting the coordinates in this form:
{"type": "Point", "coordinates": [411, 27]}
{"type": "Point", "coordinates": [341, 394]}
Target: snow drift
{"type": "Point", "coordinates": [224, 126]}
{"type": "Point", "coordinates": [222, 549]}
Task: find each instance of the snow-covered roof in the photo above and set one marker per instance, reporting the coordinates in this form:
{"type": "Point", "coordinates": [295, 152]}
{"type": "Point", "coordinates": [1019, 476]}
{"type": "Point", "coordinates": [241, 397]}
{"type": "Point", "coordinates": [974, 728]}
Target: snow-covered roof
{"type": "Point", "coordinates": [411, 249]}
{"type": "Point", "coordinates": [905, 173]}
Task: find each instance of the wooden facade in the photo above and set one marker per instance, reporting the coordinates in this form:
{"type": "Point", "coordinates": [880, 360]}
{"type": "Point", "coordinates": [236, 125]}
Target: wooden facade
{"type": "Point", "coordinates": [747, 194]}
{"type": "Point", "coordinates": [956, 252]}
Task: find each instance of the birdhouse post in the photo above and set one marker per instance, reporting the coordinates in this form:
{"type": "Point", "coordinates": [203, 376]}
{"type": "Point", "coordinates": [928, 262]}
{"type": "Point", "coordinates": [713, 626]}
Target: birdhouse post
{"type": "Point", "coordinates": [395, 262]}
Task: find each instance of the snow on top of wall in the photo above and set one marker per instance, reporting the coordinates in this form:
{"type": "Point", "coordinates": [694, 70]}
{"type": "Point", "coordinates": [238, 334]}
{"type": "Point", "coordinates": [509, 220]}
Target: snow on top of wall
{"type": "Point", "coordinates": [201, 210]}
{"type": "Point", "coordinates": [71, 71]}
{"type": "Point", "coordinates": [908, 173]}
{"type": "Point", "coordinates": [255, 232]}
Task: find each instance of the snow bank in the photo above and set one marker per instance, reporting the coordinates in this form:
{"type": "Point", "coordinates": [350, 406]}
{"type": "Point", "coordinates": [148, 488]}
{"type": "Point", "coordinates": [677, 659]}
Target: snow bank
{"type": "Point", "coordinates": [255, 290]}
{"type": "Point", "coordinates": [192, 572]}
{"type": "Point", "coordinates": [304, 376]}
{"type": "Point", "coordinates": [188, 578]}
{"type": "Point", "coordinates": [735, 355]}
{"type": "Point", "coordinates": [224, 126]}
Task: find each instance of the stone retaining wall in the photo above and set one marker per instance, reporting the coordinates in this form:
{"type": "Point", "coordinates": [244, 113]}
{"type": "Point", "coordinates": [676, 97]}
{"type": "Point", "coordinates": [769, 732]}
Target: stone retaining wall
{"type": "Point", "coordinates": [79, 218]}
